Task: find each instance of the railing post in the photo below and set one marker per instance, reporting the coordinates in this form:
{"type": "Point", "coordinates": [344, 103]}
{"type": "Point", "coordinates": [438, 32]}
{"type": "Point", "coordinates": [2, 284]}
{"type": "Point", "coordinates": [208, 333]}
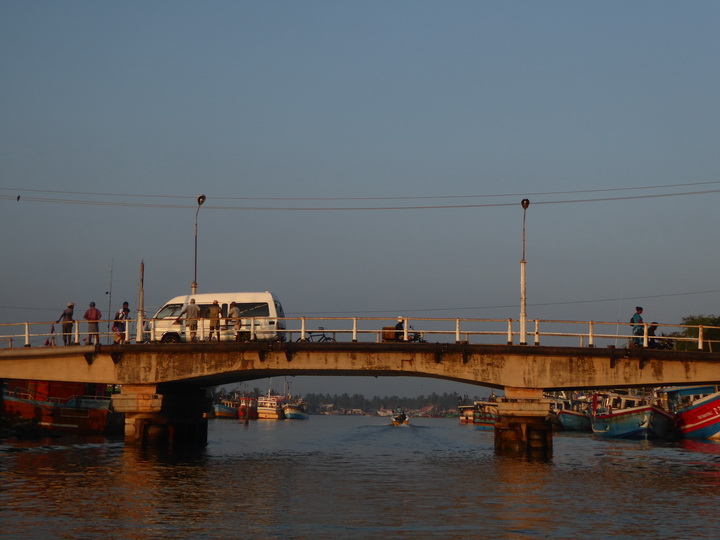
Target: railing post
{"type": "Point", "coordinates": [536, 334]}
{"type": "Point", "coordinates": [509, 330]}
{"type": "Point", "coordinates": [405, 329]}
{"type": "Point", "coordinates": [645, 335]}
{"type": "Point", "coordinates": [302, 328]}
{"type": "Point", "coordinates": [127, 330]}
{"type": "Point", "coordinates": [152, 330]}
{"type": "Point", "coordinates": [700, 338]}
{"type": "Point", "coordinates": [591, 334]}
{"type": "Point", "coordinates": [457, 330]}
{"type": "Point", "coordinates": [252, 329]}
{"type": "Point", "coordinates": [77, 332]}
{"type": "Point", "coordinates": [354, 333]}
{"type": "Point", "coordinates": [27, 334]}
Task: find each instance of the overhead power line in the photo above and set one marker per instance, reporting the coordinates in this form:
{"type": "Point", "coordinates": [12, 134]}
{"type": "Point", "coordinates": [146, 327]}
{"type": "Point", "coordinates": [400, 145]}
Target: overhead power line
{"type": "Point", "coordinates": [347, 208]}
{"type": "Point", "coordinates": [404, 198]}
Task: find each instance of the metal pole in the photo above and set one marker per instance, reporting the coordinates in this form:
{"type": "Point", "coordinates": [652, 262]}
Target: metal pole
{"type": "Point", "coordinates": [140, 335]}
{"type": "Point", "coordinates": [200, 200]}
{"type": "Point", "coordinates": [523, 298]}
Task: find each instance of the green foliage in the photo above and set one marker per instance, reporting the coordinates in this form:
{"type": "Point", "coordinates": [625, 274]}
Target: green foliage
{"type": "Point", "coordinates": [711, 332]}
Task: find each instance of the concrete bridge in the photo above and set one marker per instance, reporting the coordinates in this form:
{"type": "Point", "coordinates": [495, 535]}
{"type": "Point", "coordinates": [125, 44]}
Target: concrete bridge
{"type": "Point", "coordinates": [162, 384]}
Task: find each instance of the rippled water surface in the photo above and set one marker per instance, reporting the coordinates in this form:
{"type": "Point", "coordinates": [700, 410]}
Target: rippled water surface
{"type": "Point", "coordinates": [357, 477]}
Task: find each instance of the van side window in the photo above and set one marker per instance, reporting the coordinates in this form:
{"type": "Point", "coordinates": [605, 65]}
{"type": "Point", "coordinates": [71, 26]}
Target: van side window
{"type": "Point", "coordinates": [279, 309]}
{"type": "Point", "coordinates": [254, 309]}
{"type": "Point", "coordinates": [170, 310]}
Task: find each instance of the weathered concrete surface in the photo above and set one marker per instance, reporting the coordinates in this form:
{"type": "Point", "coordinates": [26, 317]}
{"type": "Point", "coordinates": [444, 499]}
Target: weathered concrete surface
{"type": "Point", "coordinates": [496, 366]}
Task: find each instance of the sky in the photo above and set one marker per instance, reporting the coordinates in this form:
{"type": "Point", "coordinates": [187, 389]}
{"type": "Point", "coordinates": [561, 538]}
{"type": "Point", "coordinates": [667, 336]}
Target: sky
{"type": "Point", "coordinates": [362, 158]}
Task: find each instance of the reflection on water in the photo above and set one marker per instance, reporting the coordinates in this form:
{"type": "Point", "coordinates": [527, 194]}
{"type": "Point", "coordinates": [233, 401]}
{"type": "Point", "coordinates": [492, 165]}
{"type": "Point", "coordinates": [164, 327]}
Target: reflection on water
{"type": "Point", "coordinates": [358, 477]}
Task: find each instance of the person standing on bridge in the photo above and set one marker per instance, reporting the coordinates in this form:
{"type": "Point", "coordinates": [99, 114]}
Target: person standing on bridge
{"type": "Point", "coordinates": [119, 325]}
{"type": "Point", "coordinates": [192, 313]}
{"type": "Point", "coordinates": [638, 330]}
{"type": "Point", "coordinates": [213, 313]}
{"type": "Point", "coordinates": [67, 323]}
{"type": "Point", "coordinates": [400, 329]}
{"type": "Point", "coordinates": [234, 319]}
{"type": "Point", "coordinates": [92, 316]}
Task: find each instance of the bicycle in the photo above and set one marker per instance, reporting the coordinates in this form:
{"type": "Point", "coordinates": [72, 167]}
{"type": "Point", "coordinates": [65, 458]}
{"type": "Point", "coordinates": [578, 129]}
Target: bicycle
{"type": "Point", "coordinates": [316, 337]}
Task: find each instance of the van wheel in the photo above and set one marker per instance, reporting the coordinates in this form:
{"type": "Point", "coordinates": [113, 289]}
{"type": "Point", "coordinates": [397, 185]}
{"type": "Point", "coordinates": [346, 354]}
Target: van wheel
{"type": "Point", "coordinates": [170, 338]}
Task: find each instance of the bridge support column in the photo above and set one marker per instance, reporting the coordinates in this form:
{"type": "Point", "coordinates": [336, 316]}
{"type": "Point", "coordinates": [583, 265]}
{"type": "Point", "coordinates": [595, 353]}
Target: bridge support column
{"type": "Point", "coordinates": [523, 428]}
{"type": "Point", "coordinates": [166, 419]}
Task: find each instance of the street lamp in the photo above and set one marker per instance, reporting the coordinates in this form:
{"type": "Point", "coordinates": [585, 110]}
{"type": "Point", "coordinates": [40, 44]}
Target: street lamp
{"type": "Point", "coordinates": [200, 201]}
{"type": "Point", "coordinates": [523, 300]}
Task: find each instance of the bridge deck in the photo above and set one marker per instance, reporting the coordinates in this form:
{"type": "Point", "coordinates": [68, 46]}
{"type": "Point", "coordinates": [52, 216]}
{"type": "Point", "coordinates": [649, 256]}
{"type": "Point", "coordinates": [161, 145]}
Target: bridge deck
{"type": "Point", "coordinates": [496, 366]}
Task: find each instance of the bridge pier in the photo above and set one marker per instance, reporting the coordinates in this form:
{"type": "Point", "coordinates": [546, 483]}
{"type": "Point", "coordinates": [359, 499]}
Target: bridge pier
{"type": "Point", "coordinates": [168, 418]}
{"type": "Point", "coordinates": [523, 428]}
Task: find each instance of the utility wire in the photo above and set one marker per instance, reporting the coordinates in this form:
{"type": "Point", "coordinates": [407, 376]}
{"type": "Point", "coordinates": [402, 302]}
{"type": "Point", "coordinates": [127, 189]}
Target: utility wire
{"type": "Point", "coordinates": [406, 198]}
{"type": "Point", "coordinates": [350, 208]}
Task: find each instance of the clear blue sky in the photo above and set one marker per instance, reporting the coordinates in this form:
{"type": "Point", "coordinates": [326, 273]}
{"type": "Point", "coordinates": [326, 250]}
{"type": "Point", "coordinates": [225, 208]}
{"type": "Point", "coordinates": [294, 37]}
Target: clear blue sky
{"type": "Point", "coordinates": [138, 107]}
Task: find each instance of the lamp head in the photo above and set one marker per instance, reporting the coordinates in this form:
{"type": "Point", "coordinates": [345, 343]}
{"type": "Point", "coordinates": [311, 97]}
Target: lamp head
{"type": "Point", "coordinates": [525, 203]}
{"type": "Point", "coordinates": [201, 199]}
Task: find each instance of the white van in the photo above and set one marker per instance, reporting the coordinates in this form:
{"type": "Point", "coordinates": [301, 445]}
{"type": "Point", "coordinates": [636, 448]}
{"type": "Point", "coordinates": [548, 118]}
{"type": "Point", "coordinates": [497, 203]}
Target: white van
{"type": "Point", "coordinates": [260, 312]}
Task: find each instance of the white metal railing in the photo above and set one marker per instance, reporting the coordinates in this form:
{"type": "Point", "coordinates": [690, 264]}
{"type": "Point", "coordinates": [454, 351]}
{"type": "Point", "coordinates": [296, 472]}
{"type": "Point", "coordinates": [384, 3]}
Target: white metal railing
{"type": "Point", "coordinates": [443, 330]}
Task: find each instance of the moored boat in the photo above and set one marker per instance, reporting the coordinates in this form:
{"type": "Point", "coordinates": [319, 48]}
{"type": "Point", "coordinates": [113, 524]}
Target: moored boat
{"type": "Point", "coordinates": [696, 409]}
{"type": "Point", "coordinates": [247, 408]}
{"type": "Point", "coordinates": [571, 420]}
{"type": "Point", "coordinates": [296, 410]}
{"type": "Point", "coordinates": [631, 417]}
{"type": "Point", "coordinates": [485, 415]}
{"type": "Point", "coordinates": [227, 408]}
{"type": "Point", "coordinates": [61, 407]}
{"type": "Point", "coordinates": [270, 406]}
{"type": "Point", "coordinates": [467, 413]}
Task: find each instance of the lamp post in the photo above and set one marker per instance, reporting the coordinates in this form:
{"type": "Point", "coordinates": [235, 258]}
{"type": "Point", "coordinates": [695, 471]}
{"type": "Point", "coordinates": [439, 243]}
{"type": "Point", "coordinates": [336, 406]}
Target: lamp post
{"type": "Point", "coordinates": [200, 201]}
{"type": "Point", "coordinates": [523, 300]}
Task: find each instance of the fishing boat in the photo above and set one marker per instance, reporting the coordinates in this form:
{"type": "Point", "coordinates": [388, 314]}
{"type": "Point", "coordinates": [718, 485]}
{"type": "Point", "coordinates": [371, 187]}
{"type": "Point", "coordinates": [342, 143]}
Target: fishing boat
{"type": "Point", "coordinates": [227, 408]}
{"type": "Point", "coordinates": [296, 410]}
{"type": "Point", "coordinates": [574, 420]}
{"type": "Point", "coordinates": [247, 408]}
{"type": "Point", "coordinates": [400, 418]}
{"type": "Point", "coordinates": [485, 415]}
{"type": "Point", "coordinates": [574, 414]}
{"type": "Point", "coordinates": [696, 409]}
{"type": "Point", "coordinates": [64, 407]}
{"type": "Point", "coordinates": [467, 413]}
{"type": "Point", "coordinates": [631, 417]}
{"type": "Point", "coordinates": [270, 406]}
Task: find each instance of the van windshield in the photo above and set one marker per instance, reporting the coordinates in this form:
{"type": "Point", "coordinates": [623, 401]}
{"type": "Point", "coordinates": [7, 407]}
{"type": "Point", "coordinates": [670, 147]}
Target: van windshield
{"type": "Point", "coordinates": [170, 310]}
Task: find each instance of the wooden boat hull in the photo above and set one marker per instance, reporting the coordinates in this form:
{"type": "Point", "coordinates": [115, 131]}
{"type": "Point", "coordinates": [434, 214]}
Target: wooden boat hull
{"type": "Point", "coordinates": [700, 420]}
{"type": "Point", "coordinates": [643, 422]}
{"type": "Point", "coordinates": [296, 411]}
{"type": "Point", "coordinates": [91, 417]}
{"type": "Point", "coordinates": [574, 420]}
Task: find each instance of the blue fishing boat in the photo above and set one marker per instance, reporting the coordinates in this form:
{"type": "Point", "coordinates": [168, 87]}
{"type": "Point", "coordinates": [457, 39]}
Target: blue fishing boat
{"type": "Point", "coordinates": [572, 420]}
{"type": "Point", "coordinates": [296, 410]}
{"type": "Point", "coordinates": [631, 417]}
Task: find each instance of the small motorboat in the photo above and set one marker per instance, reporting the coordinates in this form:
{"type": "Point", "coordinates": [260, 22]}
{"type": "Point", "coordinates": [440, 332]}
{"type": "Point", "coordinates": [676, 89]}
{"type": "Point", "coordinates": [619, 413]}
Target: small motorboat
{"type": "Point", "coordinates": [400, 418]}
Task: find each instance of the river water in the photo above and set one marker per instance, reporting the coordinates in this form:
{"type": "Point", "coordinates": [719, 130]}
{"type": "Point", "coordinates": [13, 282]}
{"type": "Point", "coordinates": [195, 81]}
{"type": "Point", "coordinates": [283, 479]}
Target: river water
{"type": "Point", "coordinates": [357, 477]}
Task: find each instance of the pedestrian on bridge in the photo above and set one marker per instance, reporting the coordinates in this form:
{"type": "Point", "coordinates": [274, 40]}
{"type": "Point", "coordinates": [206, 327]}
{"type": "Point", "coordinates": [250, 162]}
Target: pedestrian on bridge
{"type": "Point", "coordinates": [234, 319]}
{"type": "Point", "coordinates": [192, 313]}
{"type": "Point", "coordinates": [638, 328]}
{"type": "Point", "coordinates": [119, 326]}
{"type": "Point", "coordinates": [92, 316]}
{"type": "Point", "coordinates": [213, 313]}
{"type": "Point", "coordinates": [67, 323]}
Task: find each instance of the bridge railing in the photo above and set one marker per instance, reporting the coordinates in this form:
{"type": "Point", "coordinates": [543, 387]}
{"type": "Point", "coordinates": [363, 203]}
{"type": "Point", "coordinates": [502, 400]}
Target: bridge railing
{"type": "Point", "coordinates": [369, 329]}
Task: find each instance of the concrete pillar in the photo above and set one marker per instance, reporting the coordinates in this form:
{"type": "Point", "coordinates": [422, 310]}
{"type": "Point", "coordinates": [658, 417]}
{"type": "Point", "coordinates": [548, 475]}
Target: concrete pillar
{"type": "Point", "coordinates": [170, 418]}
{"type": "Point", "coordinates": [523, 428]}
